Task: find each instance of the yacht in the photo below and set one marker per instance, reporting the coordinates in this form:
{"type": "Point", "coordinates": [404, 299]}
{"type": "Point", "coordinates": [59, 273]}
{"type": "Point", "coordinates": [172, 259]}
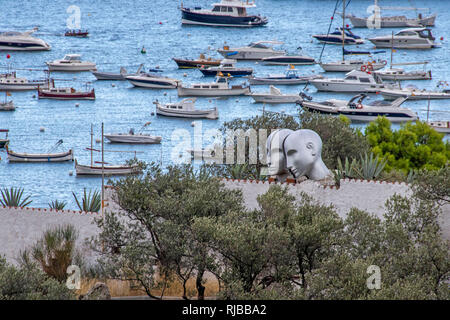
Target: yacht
{"type": "Point", "coordinates": [290, 77]}
{"type": "Point", "coordinates": [349, 65]}
{"type": "Point", "coordinates": [411, 38]}
{"type": "Point", "coordinates": [336, 37]}
{"type": "Point", "coordinates": [254, 51]}
{"type": "Point", "coordinates": [274, 96]}
{"type": "Point", "coordinates": [21, 41]}
{"type": "Point", "coordinates": [227, 13]}
{"type": "Point", "coordinates": [10, 82]}
{"type": "Point", "coordinates": [354, 81]}
{"type": "Point", "coordinates": [153, 81]}
{"type": "Point", "coordinates": [414, 93]}
{"type": "Point", "coordinates": [220, 87]}
{"type": "Point", "coordinates": [185, 109]}
{"type": "Point", "coordinates": [71, 63]}
{"type": "Point", "coordinates": [227, 67]}
{"type": "Point", "coordinates": [355, 110]}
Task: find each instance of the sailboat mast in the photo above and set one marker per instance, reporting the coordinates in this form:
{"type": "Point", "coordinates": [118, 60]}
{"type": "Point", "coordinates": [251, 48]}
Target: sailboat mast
{"type": "Point", "coordinates": [92, 133]}
{"type": "Point", "coordinates": [392, 47]}
{"type": "Point", "coordinates": [343, 29]}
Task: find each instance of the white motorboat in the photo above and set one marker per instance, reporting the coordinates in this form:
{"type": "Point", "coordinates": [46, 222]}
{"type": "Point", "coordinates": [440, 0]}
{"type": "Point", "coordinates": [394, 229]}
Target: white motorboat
{"type": "Point", "coordinates": [39, 157]}
{"type": "Point", "coordinates": [290, 77]}
{"type": "Point", "coordinates": [152, 80]}
{"type": "Point", "coordinates": [401, 74]}
{"type": "Point", "coordinates": [227, 13]}
{"type": "Point", "coordinates": [338, 36]}
{"type": "Point", "coordinates": [107, 170]}
{"type": "Point", "coordinates": [354, 81]}
{"type": "Point", "coordinates": [133, 138]}
{"type": "Point", "coordinates": [254, 51]}
{"type": "Point", "coordinates": [100, 75]}
{"type": "Point", "coordinates": [393, 21]}
{"type": "Point", "coordinates": [349, 65]}
{"type": "Point", "coordinates": [440, 126]}
{"type": "Point", "coordinates": [64, 93]}
{"type": "Point", "coordinates": [185, 109]}
{"type": "Point", "coordinates": [413, 93]}
{"type": "Point", "coordinates": [71, 63]}
{"type": "Point", "coordinates": [10, 82]}
{"type": "Point", "coordinates": [274, 96]}
{"type": "Point", "coordinates": [228, 67]}
{"type": "Point", "coordinates": [220, 87]}
{"type": "Point", "coordinates": [21, 41]}
{"type": "Point", "coordinates": [355, 110]}
{"type": "Point", "coordinates": [411, 38]}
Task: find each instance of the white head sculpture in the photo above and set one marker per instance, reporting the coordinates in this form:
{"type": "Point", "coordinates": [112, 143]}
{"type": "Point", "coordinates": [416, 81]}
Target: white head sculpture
{"type": "Point", "coordinates": [276, 161]}
{"type": "Point", "coordinates": [302, 149]}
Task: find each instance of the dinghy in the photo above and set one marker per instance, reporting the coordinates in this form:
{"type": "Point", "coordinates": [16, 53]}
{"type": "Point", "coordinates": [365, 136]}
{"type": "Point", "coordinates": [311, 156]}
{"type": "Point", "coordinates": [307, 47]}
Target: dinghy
{"type": "Point", "coordinates": [116, 76]}
{"type": "Point", "coordinates": [39, 157]}
{"type": "Point", "coordinates": [107, 170]}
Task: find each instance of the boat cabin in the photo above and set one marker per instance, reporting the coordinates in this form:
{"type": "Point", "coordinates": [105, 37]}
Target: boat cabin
{"type": "Point", "coordinates": [187, 104]}
{"type": "Point", "coordinates": [10, 78]}
{"type": "Point", "coordinates": [361, 77]}
{"type": "Point", "coordinates": [235, 8]}
{"type": "Point", "coordinates": [70, 58]}
{"type": "Point", "coordinates": [220, 83]}
{"type": "Point", "coordinates": [424, 33]}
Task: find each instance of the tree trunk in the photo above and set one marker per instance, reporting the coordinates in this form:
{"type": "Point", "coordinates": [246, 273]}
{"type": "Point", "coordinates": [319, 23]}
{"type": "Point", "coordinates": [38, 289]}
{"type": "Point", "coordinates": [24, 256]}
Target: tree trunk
{"type": "Point", "coordinates": [199, 285]}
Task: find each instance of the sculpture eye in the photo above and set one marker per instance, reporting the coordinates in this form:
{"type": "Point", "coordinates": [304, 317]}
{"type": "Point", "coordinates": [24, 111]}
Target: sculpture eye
{"type": "Point", "coordinates": [291, 152]}
{"type": "Point", "coordinates": [310, 145]}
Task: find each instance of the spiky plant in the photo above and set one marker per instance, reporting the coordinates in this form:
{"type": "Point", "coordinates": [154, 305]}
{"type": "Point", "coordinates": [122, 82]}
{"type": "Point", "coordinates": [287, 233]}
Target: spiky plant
{"type": "Point", "coordinates": [370, 167]}
{"type": "Point", "coordinates": [90, 202]}
{"type": "Point", "coordinates": [238, 171]}
{"type": "Point", "coordinates": [13, 197]}
{"type": "Point", "coordinates": [55, 251]}
{"type": "Point", "coordinates": [57, 205]}
{"type": "Point", "coordinates": [348, 170]}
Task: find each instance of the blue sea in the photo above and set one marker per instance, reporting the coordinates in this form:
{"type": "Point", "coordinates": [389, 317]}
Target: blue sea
{"type": "Point", "coordinates": [118, 30]}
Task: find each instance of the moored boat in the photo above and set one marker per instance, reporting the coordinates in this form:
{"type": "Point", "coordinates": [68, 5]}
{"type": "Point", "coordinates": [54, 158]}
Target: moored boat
{"type": "Point", "coordinates": [196, 63]}
{"type": "Point", "coordinates": [290, 77]}
{"type": "Point", "coordinates": [274, 96]}
{"type": "Point", "coordinates": [338, 36]}
{"type": "Point", "coordinates": [64, 93]}
{"type": "Point", "coordinates": [152, 81]}
{"type": "Point", "coordinates": [133, 138]}
{"type": "Point", "coordinates": [227, 13]}
{"type": "Point", "coordinates": [440, 126]}
{"type": "Point", "coordinates": [411, 38]}
{"type": "Point", "coordinates": [254, 51]}
{"type": "Point", "coordinates": [76, 33]}
{"type": "Point", "coordinates": [21, 41]}
{"type": "Point", "coordinates": [185, 109]}
{"type": "Point", "coordinates": [122, 75]}
{"type": "Point", "coordinates": [227, 67]}
{"type": "Point", "coordinates": [10, 82]}
{"type": "Point", "coordinates": [39, 157]}
{"type": "Point", "coordinates": [220, 87]}
{"type": "Point", "coordinates": [71, 63]}
{"type": "Point", "coordinates": [107, 170]}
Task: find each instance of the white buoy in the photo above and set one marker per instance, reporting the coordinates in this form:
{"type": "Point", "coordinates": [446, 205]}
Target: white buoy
{"type": "Point", "coordinates": [41, 129]}
{"type": "Point", "coordinates": [256, 62]}
{"type": "Point", "coordinates": [283, 111]}
{"type": "Point", "coordinates": [98, 140]}
{"type": "Point", "coordinates": [34, 96]}
{"type": "Point", "coordinates": [70, 173]}
{"type": "Point", "coordinates": [185, 74]}
{"type": "Point", "coordinates": [165, 93]}
{"type": "Point", "coordinates": [193, 124]}
{"type": "Point", "coordinates": [113, 85]}
{"type": "Point", "coordinates": [77, 105]}
{"type": "Point", "coordinates": [152, 113]}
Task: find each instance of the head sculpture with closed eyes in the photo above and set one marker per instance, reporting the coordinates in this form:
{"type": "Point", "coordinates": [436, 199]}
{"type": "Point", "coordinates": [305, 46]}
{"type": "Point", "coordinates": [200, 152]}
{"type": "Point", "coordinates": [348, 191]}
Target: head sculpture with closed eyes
{"type": "Point", "coordinates": [298, 152]}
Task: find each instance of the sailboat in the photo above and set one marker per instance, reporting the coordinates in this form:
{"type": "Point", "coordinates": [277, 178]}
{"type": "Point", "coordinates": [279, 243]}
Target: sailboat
{"type": "Point", "coordinates": [393, 21]}
{"type": "Point", "coordinates": [439, 126]}
{"type": "Point", "coordinates": [103, 170]}
{"type": "Point", "coordinates": [400, 74]}
{"type": "Point", "coordinates": [50, 156]}
{"type": "Point", "coordinates": [349, 65]}
{"type": "Point", "coordinates": [7, 105]}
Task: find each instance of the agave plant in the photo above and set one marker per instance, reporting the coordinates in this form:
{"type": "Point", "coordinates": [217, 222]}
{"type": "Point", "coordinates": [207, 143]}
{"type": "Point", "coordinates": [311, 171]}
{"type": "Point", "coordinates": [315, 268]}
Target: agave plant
{"type": "Point", "coordinates": [58, 205]}
{"type": "Point", "coordinates": [348, 170]}
{"type": "Point", "coordinates": [370, 167]}
{"type": "Point", "coordinates": [13, 197]}
{"type": "Point", "coordinates": [90, 202]}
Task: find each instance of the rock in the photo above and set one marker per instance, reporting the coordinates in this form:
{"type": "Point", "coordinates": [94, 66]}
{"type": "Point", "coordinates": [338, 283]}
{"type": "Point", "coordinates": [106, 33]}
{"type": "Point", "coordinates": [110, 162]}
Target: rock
{"type": "Point", "coordinates": [99, 291]}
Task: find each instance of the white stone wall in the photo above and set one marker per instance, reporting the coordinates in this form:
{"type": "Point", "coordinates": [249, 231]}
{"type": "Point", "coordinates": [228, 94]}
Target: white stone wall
{"type": "Point", "coordinates": [20, 228]}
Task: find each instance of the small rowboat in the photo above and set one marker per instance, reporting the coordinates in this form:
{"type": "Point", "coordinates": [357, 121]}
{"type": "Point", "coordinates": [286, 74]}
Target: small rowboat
{"type": "Point", "coordinates": [39, 157]}
{"type": "Point", "coordinates": [75, 33]}
{"type": "Point", "coordinates": [109, 170]}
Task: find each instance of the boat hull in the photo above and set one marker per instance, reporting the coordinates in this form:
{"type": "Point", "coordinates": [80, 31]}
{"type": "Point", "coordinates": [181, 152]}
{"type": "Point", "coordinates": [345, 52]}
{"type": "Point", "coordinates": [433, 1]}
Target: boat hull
{"type": "Point", "coordinates": [133, 139]}
{"type": "Point", "coordinates": [194, 64]}
{"type": "Point", "coordinates": [234, 73]}
{"type": "Point", "coordinates": [29, 157]}
{"type": "Point", "coordinates": [402, 44]}
{"type": "Point", "coordinates": [425, 75]}
{"type": "Point", "coordinates": [347, 67]}
{"type": "Point", "coordinates": [69, 68]}
{"type": "Point", "coordinates": [83, 170]}
{"type": "Point", "coordinates": [196, 18]}
{"type": "Point", "coordinates": [108, 75]}
{"type": "Point", "coordinates": [153, 83]}
{"type": "Point", "coordinates": [3, 142]}
{"type": "Point", "coordinates": [194, 92]}
{"type": "Point", "coordinates": [392, 95]}
{"type": "Point", "coordinates": [248, 55]}
{"type": "Point", "coordinates": [282, 81]}
{"type": "Point", "coordinates": [345, 87]}
{"type": "Point", "coordinates": [286, 60]}
{"type": "Point", "coordinates": [67, 96]}
{"type": "Point", "coordinates": [21, 86]}
{"type": "Point", "coordinates": [273, 99]}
